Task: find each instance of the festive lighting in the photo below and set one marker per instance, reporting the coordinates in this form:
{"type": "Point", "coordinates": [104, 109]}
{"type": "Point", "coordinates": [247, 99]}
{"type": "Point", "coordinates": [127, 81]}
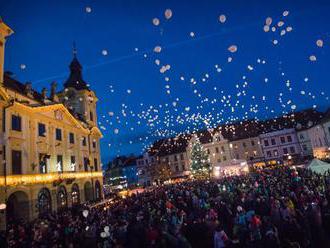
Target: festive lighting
{"type": "Point", "coordinates": [28, 179]}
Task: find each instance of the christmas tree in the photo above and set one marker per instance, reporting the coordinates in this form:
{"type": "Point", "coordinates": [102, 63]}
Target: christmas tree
{"type": "Point", "coordinates": [200, 166]}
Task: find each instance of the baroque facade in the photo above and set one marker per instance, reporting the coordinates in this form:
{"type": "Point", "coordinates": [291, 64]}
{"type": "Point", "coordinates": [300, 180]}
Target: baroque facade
{"type": "Point", "coordinates": [50, 144]}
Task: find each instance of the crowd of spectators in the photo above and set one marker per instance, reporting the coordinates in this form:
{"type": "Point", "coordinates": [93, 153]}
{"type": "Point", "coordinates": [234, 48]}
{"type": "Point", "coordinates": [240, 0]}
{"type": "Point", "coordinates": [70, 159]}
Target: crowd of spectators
{"type": "Point", "coordinates": [276, 207]}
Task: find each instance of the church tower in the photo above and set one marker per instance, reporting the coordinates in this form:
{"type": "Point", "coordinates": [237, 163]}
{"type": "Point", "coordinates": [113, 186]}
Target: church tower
{"type": "Point", "coordinates": [77, 96]}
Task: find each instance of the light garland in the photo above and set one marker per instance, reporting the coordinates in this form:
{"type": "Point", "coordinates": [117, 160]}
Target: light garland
{"type": "Point", "coordinates": [15, 180]}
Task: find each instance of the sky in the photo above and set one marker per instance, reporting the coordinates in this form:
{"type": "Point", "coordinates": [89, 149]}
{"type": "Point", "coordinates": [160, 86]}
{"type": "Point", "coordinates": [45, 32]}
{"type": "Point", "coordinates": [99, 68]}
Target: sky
{"type": "Point", "coordinates": [160, 68]}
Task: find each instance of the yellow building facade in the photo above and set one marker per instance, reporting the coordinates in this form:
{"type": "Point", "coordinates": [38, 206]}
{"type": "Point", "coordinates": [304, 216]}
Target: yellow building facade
{"type": "Point", "coordinates": [50, 145]}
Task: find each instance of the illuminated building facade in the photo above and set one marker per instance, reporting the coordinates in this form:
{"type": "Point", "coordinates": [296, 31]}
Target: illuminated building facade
{"type": "Point", "coordinates": [49, 145]}
{"type": "Point", "coordinates": [280, 145]}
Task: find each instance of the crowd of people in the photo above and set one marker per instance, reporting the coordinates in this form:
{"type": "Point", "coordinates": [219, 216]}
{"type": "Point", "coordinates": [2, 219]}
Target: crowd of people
{"type": "Point", "coordinates": [277, 207]}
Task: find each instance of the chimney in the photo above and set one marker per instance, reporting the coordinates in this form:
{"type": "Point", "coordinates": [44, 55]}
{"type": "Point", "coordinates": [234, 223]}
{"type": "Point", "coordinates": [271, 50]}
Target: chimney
{"type": "Point", "coordinates": [28, 89]}
{"type": "Point", "coordinates": [44, 93]}
{"type": "Point", "coordinates": [53, 95]}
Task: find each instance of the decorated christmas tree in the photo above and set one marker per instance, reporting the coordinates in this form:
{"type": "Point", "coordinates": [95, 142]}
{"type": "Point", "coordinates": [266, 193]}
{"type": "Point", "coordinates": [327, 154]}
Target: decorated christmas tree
{"type": "Point", "coordinates": [200, 165]}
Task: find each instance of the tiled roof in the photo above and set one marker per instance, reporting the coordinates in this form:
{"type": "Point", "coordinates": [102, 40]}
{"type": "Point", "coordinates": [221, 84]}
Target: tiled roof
{"type": "Point", "coordinates": [169, 146]}
{"type": "Point", "coordinates": [240, 130]}
{"type": "Point", "coordinates": [14, 85]}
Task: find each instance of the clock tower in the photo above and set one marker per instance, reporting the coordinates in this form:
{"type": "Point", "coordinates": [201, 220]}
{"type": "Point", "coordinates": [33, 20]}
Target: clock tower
{"type": "Point", "coordinates": [77, 96]}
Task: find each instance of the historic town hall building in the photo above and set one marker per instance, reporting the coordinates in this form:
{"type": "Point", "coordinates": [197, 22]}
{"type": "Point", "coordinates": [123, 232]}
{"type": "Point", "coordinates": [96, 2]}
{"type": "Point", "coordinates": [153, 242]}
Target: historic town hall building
{"type": "Point", "coordinates": [49, 144]}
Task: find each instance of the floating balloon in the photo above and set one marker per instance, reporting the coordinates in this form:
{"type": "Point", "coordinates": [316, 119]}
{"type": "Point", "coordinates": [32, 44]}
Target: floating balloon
{"type": "Point", "coordinates": [157, 49]}
{"type": "Point", "coordinates": [266, 28]}
{"type": "Point", "coordinates": [319, 43]}
{"type": "Point", "coordinates": [232, 48]}
{"type": "Point", "coordinates": [269, 21]}
{"type": "Point", "coordinates": [88, 9]}
{"type": "Point", "coordinates": [168, 13]}
{"type": "Point", "coordinates": [312, 58]}
{"type": "Point", "coordinates": [222, 18]}
{"type": "Point", "coordinates": [155, 21]}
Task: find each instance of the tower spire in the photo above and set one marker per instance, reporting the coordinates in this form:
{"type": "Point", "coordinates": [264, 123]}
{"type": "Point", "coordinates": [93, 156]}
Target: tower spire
{"type": "Point", "coordinates": [75, 79]}
{"type": "Point", "coordinates": [74, 49]}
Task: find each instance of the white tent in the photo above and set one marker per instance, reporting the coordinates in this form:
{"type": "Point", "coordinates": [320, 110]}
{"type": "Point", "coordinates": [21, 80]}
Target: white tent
{"type": "Point", "coordinates": [318, 166]}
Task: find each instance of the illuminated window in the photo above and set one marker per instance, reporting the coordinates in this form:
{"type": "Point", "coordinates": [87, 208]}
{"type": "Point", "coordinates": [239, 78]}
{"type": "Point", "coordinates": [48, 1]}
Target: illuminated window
{"type": "Point", "coordinates": [73, 163]}
{"type": "Point", "coordinates": [42, 163]}
{"type": "Point", "coordinates": [59, 163]}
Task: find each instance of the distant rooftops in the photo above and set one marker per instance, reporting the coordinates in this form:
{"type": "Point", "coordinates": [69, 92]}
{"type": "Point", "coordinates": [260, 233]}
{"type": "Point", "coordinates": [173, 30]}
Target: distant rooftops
{"type": "Point", "coordinates": [240, 130]}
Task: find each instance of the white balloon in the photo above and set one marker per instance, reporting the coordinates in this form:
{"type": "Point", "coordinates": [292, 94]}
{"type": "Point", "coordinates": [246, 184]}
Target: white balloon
{"type": "Point", "coordinates": [222, 18]}
{"type": "Point", "coordinates": [168, 13]}
{"type": "Point", "coordinates": [266, 28]}
{"type": "Point", "coordinates": [85, 213]}
{"type": "Point", "coordinates": [157, 49]}
{"type": "Point", "coordinates": [106, 228]}
{"type": "Point", "coordinates": [319, 43]}
{"type": "Point", "coordinates": [232, 48]}
{"type": "Point", "coordinates": [269, 21]}
{"type": "Point", "coordinates": [312, 58]}
{"type": "Point", "coordinates": [155, 21]}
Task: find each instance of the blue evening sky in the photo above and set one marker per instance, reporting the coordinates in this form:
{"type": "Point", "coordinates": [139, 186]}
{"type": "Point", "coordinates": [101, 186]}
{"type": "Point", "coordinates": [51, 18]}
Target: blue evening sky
{"type": "Point", "coordinates": [45, 31]}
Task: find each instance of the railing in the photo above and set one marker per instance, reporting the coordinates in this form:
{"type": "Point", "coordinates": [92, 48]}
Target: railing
{"type": "Point", "coordinates": [28, 179]}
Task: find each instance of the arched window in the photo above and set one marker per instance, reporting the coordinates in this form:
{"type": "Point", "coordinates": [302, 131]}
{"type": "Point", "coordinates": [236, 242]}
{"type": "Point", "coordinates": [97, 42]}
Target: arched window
{"type": "Point", "coordinates": [62, 200]}
{"type": "Point", "coordinates": [75, 194]}
{"type": "Point", "coordinates": [44, 201]}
